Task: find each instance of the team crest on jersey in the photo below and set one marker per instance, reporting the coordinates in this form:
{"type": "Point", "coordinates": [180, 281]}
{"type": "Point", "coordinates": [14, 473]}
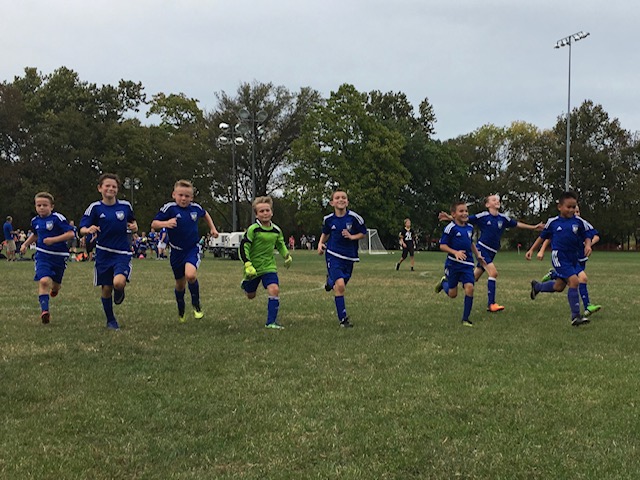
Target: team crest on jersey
{"type": "Point", "coordinates": [500, 223]}
{"type": "Point", "coordinates": [469, 233]}
{"type": "Point", "coordinates": [349, 225]}
{"type": "Point", "coordinates": [178, 216]}
{"type": "Point", "coordinates": [194, 216]}
{"type": "Point", "coordinates": [120, 215]}
{"type": "Point", "coordinates": [574, 229]}
{"type": "Point", "coordinates": [49, 225]}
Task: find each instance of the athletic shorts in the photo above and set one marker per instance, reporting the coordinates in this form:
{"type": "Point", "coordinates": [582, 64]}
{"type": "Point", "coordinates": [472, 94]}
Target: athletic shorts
{"type": "Point", "coordinates": [338, 268]}
{"type": "Point", "coordinates": [52, 266]}
{"type": "Point", "coordinates": [408, 251]}
{"type": "Point", "coordinates": [565, 266]}
{"type": "Point", "coordinates": [485, 253]}
{"type": "Point", "coordinates": [269, 278]}
{"type": "Point", "coordinates": [11, 246]}
{"type": "Point", "coordinates": [179, 258]}
{"type": "Point", "coordinates": [108, 265]}
{"type": "Point", "coordinates": [459, 274]}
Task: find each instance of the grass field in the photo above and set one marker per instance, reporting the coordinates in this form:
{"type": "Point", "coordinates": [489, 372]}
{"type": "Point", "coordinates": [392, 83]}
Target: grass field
{"type": "Point", "coordinates": [407, 394]}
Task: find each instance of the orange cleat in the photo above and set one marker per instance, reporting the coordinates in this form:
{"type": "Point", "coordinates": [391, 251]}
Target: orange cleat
{"type": "Point", "coordinates": [494, 307]}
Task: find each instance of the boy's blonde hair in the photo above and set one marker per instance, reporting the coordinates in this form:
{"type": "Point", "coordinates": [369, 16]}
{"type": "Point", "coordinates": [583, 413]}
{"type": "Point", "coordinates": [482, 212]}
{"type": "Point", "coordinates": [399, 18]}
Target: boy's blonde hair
{"type": "Point", "coordinates": [266, 199]}
{"type": "Point", "coordinates": [183, 183]}
{"type": "Point", "coordinates": [46, 195]}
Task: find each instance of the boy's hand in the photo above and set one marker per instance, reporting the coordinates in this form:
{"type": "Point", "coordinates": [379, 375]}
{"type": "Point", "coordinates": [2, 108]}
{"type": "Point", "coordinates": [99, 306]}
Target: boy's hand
{"type": "Point", "coordinates": [171, 223]}
{"type": "Point", "coordinates": [23, 249]}
{"type": "Point", "coordinates": [588, 251]}
{"type": "Point", "coordinates": [540, 256]}
{"type": "Point", "coordinates": [539, 227]}
{"type": "Point", "coordinates": [249, 270]}
{"type": "Point", "coordinates": [442, 216]}
{"type": "Point", "coordinates": [482, 261]}
{"type": "Point", "coordinates": [346, 234]}
{"type": "Point", "coordinates": [460, 255]}
{"type": "Point", "coordinates": [287, 261]}
{"type": "Point", "coordinates": [321, 248]}
{"type": "Point", "coordinates": [46, 241]}
{"type": "Point", "coordinates": [528, 254]}
{"type": "Point", "coordinates": [214, 233]}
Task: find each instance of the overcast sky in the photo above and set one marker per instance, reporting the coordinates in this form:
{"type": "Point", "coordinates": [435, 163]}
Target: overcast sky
{"type": "Point", "coordinates": [478, 62]}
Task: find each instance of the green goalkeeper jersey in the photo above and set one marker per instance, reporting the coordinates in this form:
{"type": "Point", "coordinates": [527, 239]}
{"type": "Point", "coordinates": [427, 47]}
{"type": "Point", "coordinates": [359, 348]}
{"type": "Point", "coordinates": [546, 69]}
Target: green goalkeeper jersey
{"type": "Point", "coordinates": [258, 244]}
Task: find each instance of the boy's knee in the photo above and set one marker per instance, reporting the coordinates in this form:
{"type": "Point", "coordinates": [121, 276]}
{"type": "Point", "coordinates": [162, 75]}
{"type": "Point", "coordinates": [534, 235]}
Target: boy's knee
{"type": "Point", "coordinates": [273, 290]}
{"type": "Point", "coordinates": [251, 295]}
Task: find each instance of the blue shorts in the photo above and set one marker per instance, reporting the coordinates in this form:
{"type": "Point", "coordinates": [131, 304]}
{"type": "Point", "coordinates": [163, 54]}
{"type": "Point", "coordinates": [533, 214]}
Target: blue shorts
{"type": "Point", "coordinates": [52, 266]}
{"type": "Point", "coordinates": [485, 253]}
{"type": "Point", "coordinates": [458, 273]}
{"type": "Point", "coordinates": [179, 258]}
{"type": "Point", "coordinates": [250, 286]}
{"type": "Point", "coordinates": [338, 268]}
{"type": "Point", "coordinates": [108, 265]}
{"type": "Point", "coordinates": [565, 266]}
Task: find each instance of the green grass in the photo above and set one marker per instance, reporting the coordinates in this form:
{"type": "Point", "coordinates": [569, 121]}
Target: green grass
{"type": "Point", "coordinates": [407, 394]}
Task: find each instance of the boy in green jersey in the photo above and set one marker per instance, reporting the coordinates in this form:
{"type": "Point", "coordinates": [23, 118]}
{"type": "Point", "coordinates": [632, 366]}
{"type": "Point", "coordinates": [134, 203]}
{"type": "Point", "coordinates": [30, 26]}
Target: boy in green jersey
{"type": "Point", "coordinates": [256, 252]}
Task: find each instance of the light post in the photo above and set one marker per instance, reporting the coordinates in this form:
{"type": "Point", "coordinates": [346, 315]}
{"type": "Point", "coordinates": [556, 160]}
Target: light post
{"type": "Point", "coordinates": [132, 184]}
{"type": "Point", "coordinates": [231, 136]}
{"type": "Point", "coordinates": [563, 42]}
{"type": "Point", "coordinates": [252, 122]}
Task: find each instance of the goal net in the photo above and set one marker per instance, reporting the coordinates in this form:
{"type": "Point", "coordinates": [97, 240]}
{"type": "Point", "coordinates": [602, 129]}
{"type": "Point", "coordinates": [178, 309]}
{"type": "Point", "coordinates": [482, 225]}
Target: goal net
{"type": "Point", "coordinates": [371, 243]}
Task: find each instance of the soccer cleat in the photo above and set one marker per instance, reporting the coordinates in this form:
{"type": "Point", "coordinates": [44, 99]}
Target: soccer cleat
{"type": "Point", "coordinates": [467, 323]}
{"type": "Point", "coordinates": [548, 276]}
{"type": "Point", "coordinates": [53, 293]}
{"type": "Point", "coordinates": [577, 321]}
{"type": "Point", "coordinates": [45, 317]}
{"type": "Point", "coordinates": [197, 312]}
{"type": "Point", "coordinates": [591, 309]}
{"type": "Point", "coordinates": [113, 325]}
{"type": "Point", "coordinates": [494, 307]}
{"type": "Point", "coordinates": [412, 269]}
{"type": "Point", "coordinates": [118, 296]}
{"type": "Point", "coordinates": [534, 293]}
{"type": "Point", "coordinates": [182, 318]}
{"type": "Point", "coordinates": [397, 266]}
{"type": "Point", "coordinates": [327, 287]}
{"type": "Point", "coordinates": [274, 326]}
{"type": "Point", "coordinates": [439, 286]}
{"type": "Point", "coordinates": [344, 323]}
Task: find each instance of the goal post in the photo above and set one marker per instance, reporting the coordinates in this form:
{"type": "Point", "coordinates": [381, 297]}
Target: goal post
{"type": "Point", "coordinates": [371, 243]}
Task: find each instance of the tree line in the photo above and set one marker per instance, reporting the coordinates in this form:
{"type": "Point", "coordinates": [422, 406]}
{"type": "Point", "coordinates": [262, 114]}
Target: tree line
{"type": "Point", "coordinates": [58, 133]}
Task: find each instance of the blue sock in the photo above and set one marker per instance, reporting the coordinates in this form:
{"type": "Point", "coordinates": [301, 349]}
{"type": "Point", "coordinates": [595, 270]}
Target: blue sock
{"type": "Point", "coordinates": [194, 289]}
{"type": "Point", "coordinates": [273, 305]}
{"type": "Point", "coordinates": [445, 286]}
{"type": "Point", "coordinates": [491, 290]}
{"type": "Point", "coordinates": [547, 286]}
{"type": "Point", "coordinates": [180, 301]}
{"type": "Point", "coordinates": [44, 302]}
{"type": "Point", "coordinates": [341, 308]}
{"type": "Point", "coordinates": [584, 294]}
{"type": "Point", "coordinates": [574, 302]}
{"type": "Point", "coordinates": [468, 303]}
{"type": "Point", "coordinates": [107, 305]}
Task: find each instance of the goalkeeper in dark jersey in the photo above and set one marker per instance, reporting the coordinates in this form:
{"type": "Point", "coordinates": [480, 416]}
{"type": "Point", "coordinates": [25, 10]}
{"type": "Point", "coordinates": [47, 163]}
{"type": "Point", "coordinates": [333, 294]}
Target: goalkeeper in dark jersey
{"type": "Point", "coordinates": [256, 252]}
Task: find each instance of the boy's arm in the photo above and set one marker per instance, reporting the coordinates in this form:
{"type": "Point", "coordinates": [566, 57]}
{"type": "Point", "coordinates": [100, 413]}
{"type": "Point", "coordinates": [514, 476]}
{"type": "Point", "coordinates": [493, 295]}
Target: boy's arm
{"type": "Point", "coordinates": [535, 245]}
{"type": "Point", "coordinates": [595, 239]}
{"type": "Point", "coordinates": [212, 228]}
{"type": "Point", "coordinates": [321, 243]}
{"type": "Point", "coordinates": [475, 251]}
{"type": "Point", "coordinates": [543, 249]}
{"type": "Point", "coordinates": [539, 227]}
{"type": "Point", "coordinates": [133, 226]}
{"type": "Point", "coordinates": [442, 216]}
{"type": "Point", "coordinates": [32, 238]}
{"type": "Point", "coordinates": [459, 254]}
{"type": "Point", "coordinates": [59, 238]}
{"type": "Point", "coordinates": [587, 247]}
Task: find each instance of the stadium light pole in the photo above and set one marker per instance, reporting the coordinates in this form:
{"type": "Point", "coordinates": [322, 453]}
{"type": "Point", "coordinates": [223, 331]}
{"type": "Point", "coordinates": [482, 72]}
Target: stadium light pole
{"type": "Point", "coordinates": [252, 122]}
{"type": "Point", "coordinates": [132, 184]}
{"type": "Point", "coordinates": [563, 42]}
{"type": "Point", "coordinates": [231, 136]}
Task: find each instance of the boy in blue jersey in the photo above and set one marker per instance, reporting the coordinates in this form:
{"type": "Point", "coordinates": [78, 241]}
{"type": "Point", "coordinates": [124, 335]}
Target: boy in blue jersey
{"type": "Point", "coordinates": [457, 242]}
{"type": "Point", "coordinates": [108, 221]}
{"type": "Point", "coordinates": [492, 224]}
{"type": "Point", "coordinates": [180, 218]}
{"type": "Point", "coordinates": [570, 241]}
{"type": "Point", "coordinates": [341, 232]}
{"type": "Point", "coordinates": [51, 232]}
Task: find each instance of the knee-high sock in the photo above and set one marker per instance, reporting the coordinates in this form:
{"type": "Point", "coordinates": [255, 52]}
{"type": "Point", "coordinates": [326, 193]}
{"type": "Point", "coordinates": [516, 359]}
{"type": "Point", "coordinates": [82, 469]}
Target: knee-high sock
{"type": "Point", "coordinates": [273, 305]}
{"type": "Point", "coordinates": [180, 301]}
{"type": "Point", "coordinates": [194, 289]}
{"type": "Point", "coordinates": [491, 290]}
{"type": "Point", "coordinates": [445, 286]}
{"type": "Point", "coordinates": [546, 287]}
{"type": "Point", "coordinates": [584, 294]}
{"type": "Point", "coordinates": [44, 302]}
{"type": "Point", "coordinates": [341, 307]}
{"type": "Point", "coordinates": [468, 304]}
{"type": "Point", "coordinates": [107, 305]}
{"type": "Point", "coordinates": [574, 302]}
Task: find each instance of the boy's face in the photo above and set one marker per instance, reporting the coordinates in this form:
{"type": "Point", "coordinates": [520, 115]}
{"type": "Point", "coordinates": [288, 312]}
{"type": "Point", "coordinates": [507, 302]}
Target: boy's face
{"type": "Point", "coordinates": [407, 223]}
{"type": "Point", "coordinates": [339, 201]}
{"type": "Point", "coordinates": [44, 207]}
{"type": "Point", "coordinates": [461, 214]}
{"type": "Point", "coordinates": [108, 189]}
{"type": "Point", "coordinates": [493, 201]}
{"type": "Point", "coordinates": [568, 207]}
{"type": "Point", "coordinates": [264, 213]}
{"type": "Point", "coordinates": [183, 196]}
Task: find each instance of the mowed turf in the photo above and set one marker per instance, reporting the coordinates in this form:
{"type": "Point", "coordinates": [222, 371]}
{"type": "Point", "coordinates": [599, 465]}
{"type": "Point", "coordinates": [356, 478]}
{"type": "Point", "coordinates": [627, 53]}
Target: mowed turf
{"type": "Point", "coordinates": [408, 393]}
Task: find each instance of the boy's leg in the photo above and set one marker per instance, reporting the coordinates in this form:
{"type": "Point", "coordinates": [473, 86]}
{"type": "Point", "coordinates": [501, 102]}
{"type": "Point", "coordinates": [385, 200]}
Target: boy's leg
{"type": "Point", "coordinates": [468, 304]}
{"type": "Point", "coordinates": [179, 291]}
{"type": "Point", "coordinates": [107, 305]}
{"type": "Point", "coordinates": [119, 283]}
{"type": "Point", "coordinates": [574, 301]}
{"type": "Point", "coordinates": [273, 305]}
{"type": "Point", "coordinates": [44, 286]}
{"type": "Point", "coordinates": [191, 274]}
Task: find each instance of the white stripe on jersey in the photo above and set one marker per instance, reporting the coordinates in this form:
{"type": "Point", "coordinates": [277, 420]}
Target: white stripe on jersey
{"type": "Point", "coordinates": [487, 247]}
{"type": "Point", "coordinates": [60, 254]}
{"type": "Point", "coordinates": [343, 256]}
{"type": "Point", "coordinates": [111, 250]}
{"type": "Point", "coordinates": [87, 212]}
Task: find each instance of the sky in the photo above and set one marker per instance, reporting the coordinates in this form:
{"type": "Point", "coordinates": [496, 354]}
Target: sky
{"type": "Point", "coordinates": [478, 62]}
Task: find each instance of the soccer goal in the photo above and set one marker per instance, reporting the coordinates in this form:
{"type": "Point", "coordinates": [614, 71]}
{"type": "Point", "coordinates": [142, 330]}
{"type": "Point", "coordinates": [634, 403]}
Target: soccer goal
{"type": "Point", "coordinates": [371, 243]}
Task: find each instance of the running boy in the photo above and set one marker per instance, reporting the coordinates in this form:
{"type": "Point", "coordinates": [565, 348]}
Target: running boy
{"type": "Point", "coordinates": [107, 221]}
{"type": "Point", "coordinates": [457, 242]}
{"type": "Point", "coordinates": [256, 252]}
{"type": "Point", "coordinates": [51, 232]}
{"type": "Point", "coordinates": [407, 243]}
{"type": "Point", "coordinates": [180, 217]}
{"type": "Point", "coordinates": [341, 232]}
{"type": "Point", "coordinates": [569, 242]}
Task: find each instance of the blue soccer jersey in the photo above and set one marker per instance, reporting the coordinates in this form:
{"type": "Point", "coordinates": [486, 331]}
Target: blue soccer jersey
{"type": "Point", "coordinates": [567, 237]}
{"type": "Point", "coordinates": [491, 228]}
{"type": "Point", "coordinates": [51, 226]}
{"type": "Point", "coordinates": [185, 235]}
{"type": "Point", "coordinates": [112, 220]}
{"type": "Point", "coordinates": [337, 245]}
{"type": "Point", "coordinates": [590, 232]}
{"type": "Point", "coordinates": [458, 237]}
